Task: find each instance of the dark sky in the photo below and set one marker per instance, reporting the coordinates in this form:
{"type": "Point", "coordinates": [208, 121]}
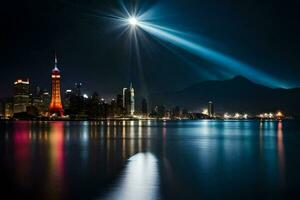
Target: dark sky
{"type": "Point", "coordinates": [263, 33]}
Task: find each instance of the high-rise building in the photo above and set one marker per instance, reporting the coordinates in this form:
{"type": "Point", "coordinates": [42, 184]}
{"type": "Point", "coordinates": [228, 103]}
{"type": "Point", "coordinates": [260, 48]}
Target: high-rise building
{"type": "Point", "coordinates": [120, 109]}
{"type": "Point", "coordinates": [128, 100]}
{"type": "Point", "coordinates": [211, 110]}
{"type": "Point", "coordinates": [113, 108]}
{"type": "Point", "coordinates": [67, 98]}
{"type": "Point", "coordinates": [159, 111]}
{"type": "Point", "coordinates": [46, 98]}
{"type": "Point", "coordinates": [144, 107]}
{"type": "Point", "coordinates": [37, 102]}
{"type": "Point", "coordinates": [77, 89]}
{"type": "Point", "coordinates": [176, 112]}
{"type": "Point", "coordinates": [21, 98]}
{"type": "Point", "coordinates": [56, 105]}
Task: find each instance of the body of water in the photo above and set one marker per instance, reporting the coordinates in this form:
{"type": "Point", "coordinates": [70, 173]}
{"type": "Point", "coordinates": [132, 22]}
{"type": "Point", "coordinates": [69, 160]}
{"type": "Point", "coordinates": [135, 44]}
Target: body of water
{"type": "Point", "coordinates": [150, 160]}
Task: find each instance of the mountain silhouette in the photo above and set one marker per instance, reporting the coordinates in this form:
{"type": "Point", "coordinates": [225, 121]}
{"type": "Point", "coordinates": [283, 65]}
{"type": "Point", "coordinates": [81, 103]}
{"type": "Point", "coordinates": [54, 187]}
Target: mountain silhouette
{"type": "Point", "coordinates": [234, 95]}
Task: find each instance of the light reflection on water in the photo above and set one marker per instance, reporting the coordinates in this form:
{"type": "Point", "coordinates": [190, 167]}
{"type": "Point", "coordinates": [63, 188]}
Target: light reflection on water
{"type": "Point", "coordinates": [139, 179]}
{"type": "Point", "coordinates": [187, 159]}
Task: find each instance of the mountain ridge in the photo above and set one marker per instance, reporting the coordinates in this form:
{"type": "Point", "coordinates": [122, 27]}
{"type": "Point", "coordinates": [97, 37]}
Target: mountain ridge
{"type": "Point", "coordinates": [237, 94]}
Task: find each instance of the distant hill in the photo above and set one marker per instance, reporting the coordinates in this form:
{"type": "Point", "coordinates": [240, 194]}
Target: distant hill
{"type": "Point", "coordinates": [234, 95]}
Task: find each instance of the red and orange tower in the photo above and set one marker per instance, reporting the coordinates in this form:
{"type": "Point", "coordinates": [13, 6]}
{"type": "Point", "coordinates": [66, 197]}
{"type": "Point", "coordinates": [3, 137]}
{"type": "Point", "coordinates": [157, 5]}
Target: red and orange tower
{"type": "Point", "coordinates": [56, 105]}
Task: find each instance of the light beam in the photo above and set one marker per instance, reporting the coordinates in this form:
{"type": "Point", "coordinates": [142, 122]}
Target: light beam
{"type": "Point", "coordinates": [213, 56]}
{"type": "Point", "coordinates": [141, 22]}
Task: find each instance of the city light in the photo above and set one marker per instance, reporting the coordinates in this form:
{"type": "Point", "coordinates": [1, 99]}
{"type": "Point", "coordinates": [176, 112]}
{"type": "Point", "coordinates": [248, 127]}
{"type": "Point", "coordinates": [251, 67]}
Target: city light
{"type": "Point", "coordinates": [205, 111]}
{"type": "Point", "coordinates": [261, 115]}
{"type": "Point", "coordinates": [279, 114]}
{"type": "Point", "coordinates": [271, 115]}
{"type": "Point", "coordinates": [20, 81]}
{"type": "Point", "coordinates": [226, 116]}
{"type": "Point", "coordinates": [237, 116]}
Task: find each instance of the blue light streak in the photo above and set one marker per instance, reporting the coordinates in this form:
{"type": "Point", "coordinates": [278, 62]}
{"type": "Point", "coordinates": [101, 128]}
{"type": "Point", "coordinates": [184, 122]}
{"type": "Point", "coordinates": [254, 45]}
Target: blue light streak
{"type": "Point", "coordinates": [222, 60]}
{"type": "Point", "coordinates": [184, 41]}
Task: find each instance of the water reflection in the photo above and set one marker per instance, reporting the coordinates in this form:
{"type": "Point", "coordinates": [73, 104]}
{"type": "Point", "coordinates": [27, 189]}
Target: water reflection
{"type": "Point", "coordinates": [22, 151]}
{"type": "Point", "coordinates": [54, 183]}
{"type": "Point", "coordinates": [140, 179]}
{"type": "Point", "coordinates": [168, 160]}
{"type": "Point", "coordinates": [272, 150]}
{"type": "Point", "coordinates": [281, 156]}
{"type": "Point", "coordinates": [50, 157]}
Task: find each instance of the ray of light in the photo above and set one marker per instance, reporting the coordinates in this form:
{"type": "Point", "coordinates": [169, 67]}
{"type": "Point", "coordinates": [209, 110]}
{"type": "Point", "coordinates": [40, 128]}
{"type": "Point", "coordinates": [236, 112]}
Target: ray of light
{"type": "Point", "coordinates": [222, 60]}
{"type": "Point", "coordinates": [135, 20]}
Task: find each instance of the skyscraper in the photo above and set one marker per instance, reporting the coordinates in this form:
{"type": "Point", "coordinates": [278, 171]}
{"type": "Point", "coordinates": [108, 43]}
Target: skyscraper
{"type": "Point", "coordinates": [144, 107]}
{"type": "Point", "coordinates": [56, 105]}
{"type": "Point", "coordinates": [46, 98]}
{"type": "Point", "coordinates": [120, 109]}
{"type": "Point", "coordinates": [67, 98]}
{"type": "Point", "coordinates": [21, 97]}
{"type": "Point", "coordinates": [77, 89]}
{"type": "Point", "coordinates": [128, 100]}
{"type": "Point", "coordinates": [176, 112]}
{"type": "Point", "coordinates": [211, 110]}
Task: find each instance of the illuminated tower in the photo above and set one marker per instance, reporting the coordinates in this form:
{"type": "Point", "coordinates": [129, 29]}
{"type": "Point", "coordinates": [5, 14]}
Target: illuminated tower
{"type": "Point", "coordinates": [56, 105]}
{"type": "Point", "coordinates": [132, 105]}
{"type": "Point", "coordinates": [211, 110]}
{"type": "Point", "coordinates": [128, 100]}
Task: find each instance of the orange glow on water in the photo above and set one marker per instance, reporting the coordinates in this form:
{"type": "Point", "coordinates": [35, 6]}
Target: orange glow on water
{"type": "Point", "coordinates": [281, 156]}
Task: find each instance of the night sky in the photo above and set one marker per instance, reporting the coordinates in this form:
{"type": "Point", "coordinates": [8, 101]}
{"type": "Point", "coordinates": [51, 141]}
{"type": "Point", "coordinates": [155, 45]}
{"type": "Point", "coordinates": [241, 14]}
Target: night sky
{"type": "Point", "coordinates": [262, 33]}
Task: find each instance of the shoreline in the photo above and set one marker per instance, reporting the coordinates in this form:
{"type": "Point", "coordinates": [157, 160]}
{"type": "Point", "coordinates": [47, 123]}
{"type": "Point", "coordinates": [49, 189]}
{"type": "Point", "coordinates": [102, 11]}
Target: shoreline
{"type": "Point", "coordinates": [127, 119]}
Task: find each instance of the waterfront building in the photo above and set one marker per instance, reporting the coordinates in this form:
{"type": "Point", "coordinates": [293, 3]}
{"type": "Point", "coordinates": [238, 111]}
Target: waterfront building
{"type": "Point", "coordinates": [128, 100]}
{"type": "Point", "coordinates": [159, 111]}
{"type": "Point", "coordinates": [120, 109]}
{"type": "Point", "coordinates": [37, 102]}
{"type": "Point", "coordinates": [144, 107]}
{"type": "Point", "coordinates": [21, 97]}
{"type": "Point", "coordinates": [46, 99]}
{"type": "Point", "coordinates": [176, 112]}
{"type": "Point", "coordinates": [67, 97]}
{"type": "Point", "coordinates": [77, 89]}
{"type": "Point", "coordinates": [56, 104]}
{"type": "Point", "coordinates": [113, 108]}
{"type": "Point", "coordinates": [211, 109]}
{"type": "Point", "coordinates": [8, 109]}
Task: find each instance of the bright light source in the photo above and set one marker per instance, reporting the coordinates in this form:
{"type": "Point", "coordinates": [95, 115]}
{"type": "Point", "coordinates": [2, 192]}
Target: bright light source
{"type": "Point", "coordinates": [237, 115]}
{"type": "Point", "coordinates": [279, 114]}
{"type": "Point", "coordinates": [226, 116]}
{"type": "Point", "coordinates": [133, 21]}
{"type": "Point", "coordinates": [205, 111]}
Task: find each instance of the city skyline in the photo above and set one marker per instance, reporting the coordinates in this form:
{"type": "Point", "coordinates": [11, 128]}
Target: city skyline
{"type": "Point", "coordinates": [150, 99]}
{"type": "Point", "coordinates": [29, 104]}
